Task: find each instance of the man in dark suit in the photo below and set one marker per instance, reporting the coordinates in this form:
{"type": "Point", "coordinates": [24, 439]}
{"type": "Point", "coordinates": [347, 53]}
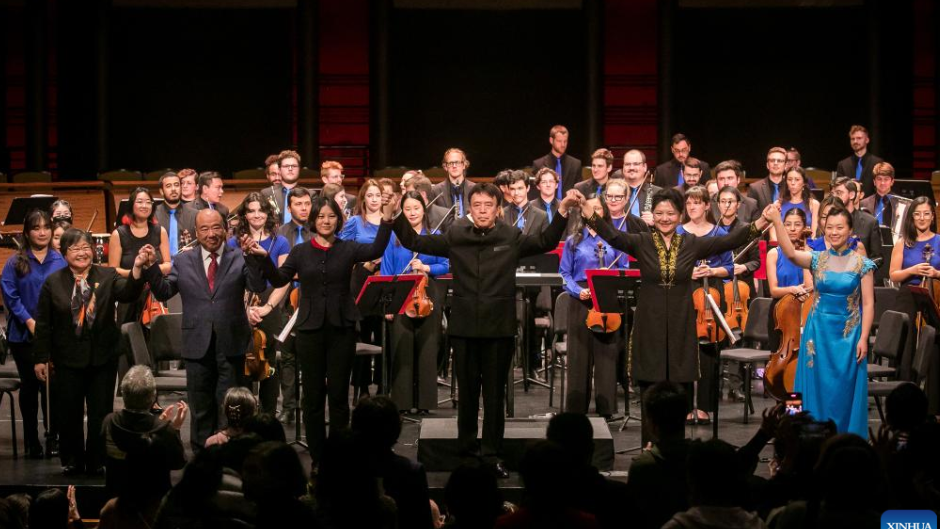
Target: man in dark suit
{"type": "Point", "coordinates": [171, 215]}
{"type": "Point", "coordinates": [863, 225]}
{"type": "Point", "coordinates": [211, 280]}
{"type": "Point", "coordinates": [767, 190]}
{"type": "Point", "coordinates": [288, 163]}
{"type": "Point", "coordinates": [296, 231]}
{"type": "Point", "coordinates": [546, 184]}
{"type": "Point", "coordinates": [517, 213]}
{"type": "Point", "coordinates": [860, 164]}
{"type": "Point", "coordinates": [602, 163]}
{"type": "Point", "coordinates": [728, 173]}
{"type": "Point", "coordinates": [882, 204]}
{"type": "Point", "coordinates": [456, 188]}
{"type": "Point", "coordinates": [567, 167]}
{"type": "Point", "coordinates": [672, 173]}
{"type": "Point", "coordinates": [331, 172]}
{"type": "Point", "coordinates": [438, 216]}
{"type": "Point", "coordinates": [483, 256]}
{"type": "Point", "coordinates": [634, 174]}
{"type": "Point", "coordinates": [209, 196]}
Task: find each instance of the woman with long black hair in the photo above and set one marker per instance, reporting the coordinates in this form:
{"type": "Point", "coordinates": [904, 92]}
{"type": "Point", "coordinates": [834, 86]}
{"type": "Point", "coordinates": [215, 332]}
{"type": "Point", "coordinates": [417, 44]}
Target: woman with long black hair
{"type": "Point", "coordinates": [23, 276]}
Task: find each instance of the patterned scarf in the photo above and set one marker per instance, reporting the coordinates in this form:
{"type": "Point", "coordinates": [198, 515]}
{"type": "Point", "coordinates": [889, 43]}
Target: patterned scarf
{"type": "Point", "coordinates": [83, 305]}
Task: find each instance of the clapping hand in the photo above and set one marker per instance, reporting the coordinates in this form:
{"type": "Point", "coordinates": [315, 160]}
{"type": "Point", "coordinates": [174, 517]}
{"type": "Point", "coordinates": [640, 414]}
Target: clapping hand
{"type": "Point", "coordinates": [250, 246]}
{"type": "Point", "coordinates": [176, 421]}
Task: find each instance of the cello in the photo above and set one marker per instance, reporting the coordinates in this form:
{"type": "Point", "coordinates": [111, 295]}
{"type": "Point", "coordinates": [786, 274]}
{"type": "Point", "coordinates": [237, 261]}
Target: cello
{"type": "Point", "coordinates": [790, 313]}
{"type": "Point", "coordinates": [707, 329]}
{"type": "Point", "coordinates": [737, 297]}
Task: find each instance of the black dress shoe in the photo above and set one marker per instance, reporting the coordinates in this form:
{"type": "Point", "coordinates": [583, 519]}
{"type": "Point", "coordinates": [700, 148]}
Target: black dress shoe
{"type": "Point", "coordinates": [34, 451]}
{"type": "Point", "coordinates": [499, 470]}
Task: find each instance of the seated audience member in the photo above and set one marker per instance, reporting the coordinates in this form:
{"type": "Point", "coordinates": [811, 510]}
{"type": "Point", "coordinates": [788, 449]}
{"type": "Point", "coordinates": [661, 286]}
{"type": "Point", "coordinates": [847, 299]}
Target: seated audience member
{"type": "Point", "coordinates": [657, 478]}
{"type": "Point", "coordinates": [472, 498]}
{"type": "Point", "coordinates": [266, 426]}
{"type": "Point", "coordinates": [197, 501]}
{"type": "Point", "coordinates": [274, 480]}
{"type": "Point", "coordinates": [437, 521]}
{"type": "Point", "coordinates": [905, 410]}
{"type": "Point", "coordinates": [923, 470]}
{"type": "Point", "coordinates": [239, 405]}
{"type": "Point", "coordinates": [716, 490]}
{"type": "Point", "coordinates": [377, 425]}
{"type": "Point", "coordinates": [20, 503]}
{"type": "Point", "coordinates": [347, 493]}
{"type": "Point", "coordinates": [548, 500]}
{"type": "Point", "coordinates": [593, 493]}
{"type": "Point", "coordinates": [54, 509]}
{"type": "Point", "coordinates": [850, 489]}
{"type": "Point", "coordinates": [10, 517]}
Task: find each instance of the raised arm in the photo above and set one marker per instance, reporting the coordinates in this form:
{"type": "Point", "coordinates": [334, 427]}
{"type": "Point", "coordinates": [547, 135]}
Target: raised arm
{"type": "Point", "coordinates": [798, 257]}
{"type": "Point", "coordinates": [435, 244]}
{"type": "Point", "coordinates": [707, 246]}
{"type": "Point", "coordinates": [374, 250]}
{"type": "Point", "coordinates": [163, 287]}
{"type": "Point", "coordinates": [539, 243]}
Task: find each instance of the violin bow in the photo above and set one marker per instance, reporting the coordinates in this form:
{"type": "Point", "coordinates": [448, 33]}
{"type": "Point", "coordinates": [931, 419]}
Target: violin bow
{"type": "Point", "coordinates": [633, 199]}
{"type": "Point", "coordinates": [608, 267]}
{"type": "Point", "coordinates": [439, 224]}
{"type": "Point", "coordinates": [93, 217]}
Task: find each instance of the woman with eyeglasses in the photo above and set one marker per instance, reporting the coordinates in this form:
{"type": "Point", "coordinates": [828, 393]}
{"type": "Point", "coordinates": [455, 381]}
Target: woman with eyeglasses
{"type": "Point", "coordinates": [915, 261]}
{"type": "Point", "coordinates": [592, 356]}
{"type": "Point", "coordinates": [138, 228]}
{"type": "Point", "coordinates": [662, 346]}
{"type": "Point", "coordinates": [77, 335]}
{"type": "Point", "coordinates": [362, 228]}
{"type": "Point", "coordinates": [23, 276]}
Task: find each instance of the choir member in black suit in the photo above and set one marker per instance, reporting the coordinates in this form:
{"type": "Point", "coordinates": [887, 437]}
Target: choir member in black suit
{"type": "Point", "coordinates": [767, 190]}
{"type": "Point", "coordinates": [566, 167]}
{"type": "Point", "coordinates": [663, 346]}
{"type": "Point", "coordinates": [518, 213]}
{"type": "Point", "coordinates": [860, 164]}
{"type": "Point", "coordinates": [602, 163]}
{"type": "Point", "coordinates": [728, 173]}
{"type": "Point", "coordinates": [456, 188]}
{"type": "Point", "coordinates": [288, 163]}
{"type": "Point", "coordinates": [482, 256]}
{"type": "Point", "coordinates": [672, 173]}
{"type": "Point", "coordinates": [326, 325]}
{"type": "Point", "coordinates": [546, 183]}
{"type": "Point", "coordinates": [209, 196]}
{"type": "Point", "coordinates": [864, 226]}
{"type": "Point", "coordinates": [171, 215]}
{"type": "Point", "coordinates": [77, 335]}
{"type": "Point", "coordinates": [882, 204]}
{"type": "Point", "coordinates": [592, 356]}
{"type": "Point", "coordinates": [635, 174]}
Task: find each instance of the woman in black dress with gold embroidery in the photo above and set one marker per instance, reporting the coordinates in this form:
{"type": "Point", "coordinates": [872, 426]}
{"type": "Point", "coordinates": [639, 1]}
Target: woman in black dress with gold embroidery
{"type": "Point", "coordinates": [664, 345]}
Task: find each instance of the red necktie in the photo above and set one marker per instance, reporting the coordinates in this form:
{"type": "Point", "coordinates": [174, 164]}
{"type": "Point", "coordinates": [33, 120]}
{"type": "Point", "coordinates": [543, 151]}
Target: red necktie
{"type": "Point", "coordinates": [213, 267]}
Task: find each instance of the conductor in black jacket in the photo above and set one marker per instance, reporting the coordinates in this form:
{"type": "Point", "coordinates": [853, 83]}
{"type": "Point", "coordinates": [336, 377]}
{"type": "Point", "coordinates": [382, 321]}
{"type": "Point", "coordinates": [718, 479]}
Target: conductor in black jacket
{"type": "Point", "coordinates": [326, 324]}
{"type": "Point", "coordinates": [483, 257]}
{"type": "Point", "coordinates": [77, 333]}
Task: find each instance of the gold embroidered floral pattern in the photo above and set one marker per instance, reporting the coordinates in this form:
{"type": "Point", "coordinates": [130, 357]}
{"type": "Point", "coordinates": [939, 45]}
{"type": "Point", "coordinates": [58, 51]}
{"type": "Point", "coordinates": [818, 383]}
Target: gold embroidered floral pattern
{"type": "Point", "coordinates": [822, 262]}
{"type": "Point", "coordinates": [854, 314]}
{"type": "Point", "coordinates": [810, 353]}
{"type": "Point", "coordinates": [667, 258]}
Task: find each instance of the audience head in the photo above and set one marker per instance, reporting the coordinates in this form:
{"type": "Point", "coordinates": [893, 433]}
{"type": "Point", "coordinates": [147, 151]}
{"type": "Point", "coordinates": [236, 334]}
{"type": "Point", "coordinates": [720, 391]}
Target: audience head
{"type": "Point", "coordinates": [10, 515]}
{"type": "Point", "coordinates": [239, 405]}
{"type": "Point", "coordinates": [849, 474]}
{"type": "Point", "coordinates": [574, 434]}
{"type": "Point", "coordinates": [272, 473]}
{"type": "Point", "coordinates": [548, 475]}
{"type": "Point", "coordinates": [558, 139]}
{"type": "Point", "coordinates": [50, 510]}
{"type": "Point", "coordinates": [714, 474]}
{"type": "Point", "coordinates": [265, 426]}
{"type": "Point", "coordinates": [472, 497]}
{"type": "Point", "coordinates": [798, 441]}
{"type": "Point", "coordinates": [437, 521]}
{"type": "Point", "coordinates": [376, 422]}
{"type": "Point", "coordinates": [666, 407]}
{"type": "Point", "coordinates": [332, 172]}
{"type": "Point", "coordinates": [906, 407]}
{"type": "Point", "coordinates": [21, 503]}
{"type": "Point", "coordinates": [170, 188]}
{"type": "Point", "coordinates": [139, 389]}
{"type": "Point", "coordinates": [858, 139]}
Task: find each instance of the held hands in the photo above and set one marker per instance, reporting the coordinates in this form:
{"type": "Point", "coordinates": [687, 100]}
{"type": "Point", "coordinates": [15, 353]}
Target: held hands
{"type": "Point", "coordinates": [250, 246]}
{"type": "Point", "coordinates": [256, 314]}
{"type": "Point", "coordinates": [585, 294]}
{"type": "Point", "coordinates": [176, 421]}
{"type": "Point", "coordinates": [771, 213]}
{"type": "Point", "coordinates": [145, 257]}
{"type": "Point", "coordinates": [573, 198]}
{"type": "Point", "coordinates": [390, 205]}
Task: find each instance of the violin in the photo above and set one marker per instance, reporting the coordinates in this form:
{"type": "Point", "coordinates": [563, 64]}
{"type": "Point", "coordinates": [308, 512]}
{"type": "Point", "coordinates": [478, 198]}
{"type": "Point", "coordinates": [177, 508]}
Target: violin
{"type": "Point", "coordinates": [708, 330]}
{"type": "Point", "coordinates": [603, 322]}
{"type": "Point", "coordinates": [151, 309]}
{"type": "Point", "coordinates": [790, 313]}
{"type": "Point", "coordinates": [421, 305]}
{"type": "Point", "coordinates": [927, 285]}
{"type": "Point", "coordinates": [257, 367]}
{"type": "Point", "coordinates": [739, 294]}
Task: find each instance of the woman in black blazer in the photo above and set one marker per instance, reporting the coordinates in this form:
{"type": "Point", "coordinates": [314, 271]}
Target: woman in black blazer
{"type": "Point", "coordinates": [77, 336]}
{"type": "Point", "coordinates": [326, 325]}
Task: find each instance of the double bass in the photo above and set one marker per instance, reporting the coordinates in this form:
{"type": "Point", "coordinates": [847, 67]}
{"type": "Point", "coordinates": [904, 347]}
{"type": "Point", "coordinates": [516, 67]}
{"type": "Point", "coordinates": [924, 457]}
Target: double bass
{"type": "Point", "coordinates": [790, 313]}
{"type": "Point", "coordinates": [707, 329]}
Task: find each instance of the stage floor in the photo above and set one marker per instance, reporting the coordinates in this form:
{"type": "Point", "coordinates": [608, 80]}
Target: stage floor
{"type": "Point", "coordinates": [31, 475]}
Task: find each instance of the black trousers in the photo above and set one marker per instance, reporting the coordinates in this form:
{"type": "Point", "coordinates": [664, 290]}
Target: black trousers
{"type": "Point", "coordinates": [414, 345]}
{"type": "Point", "coordinates": [207, 380]}
{"type": "Point", "coordinates": [591, 356]}
{"type": "Point", "coordinates": [326, 357]}
{"type": "Point", "coordinates": [287, 368]}
{"type": "Point", "coordinates": [708, 383]}
{"type": "Point", "coordinates": [481, 363]}
{"type": "Point", "coordinates": [32, 393]}
{"type": "Point", "coordinates": [73, 391]}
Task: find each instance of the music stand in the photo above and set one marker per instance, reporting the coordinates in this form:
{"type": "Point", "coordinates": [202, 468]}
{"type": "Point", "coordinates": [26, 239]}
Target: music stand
{"type": "Point", "coordinates": [546, 263]}
{"type": "Point", "coordinates": [382, 295]}
{"type": "Point", "coordinates": [925, 305]}
{"type": "Point", "coordinates": [21, 206]}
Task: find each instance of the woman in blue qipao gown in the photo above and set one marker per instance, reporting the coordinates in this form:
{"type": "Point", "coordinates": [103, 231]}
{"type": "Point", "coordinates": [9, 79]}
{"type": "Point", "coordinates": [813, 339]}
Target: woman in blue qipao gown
{"type": "Point", "coordinates": [832, 369]}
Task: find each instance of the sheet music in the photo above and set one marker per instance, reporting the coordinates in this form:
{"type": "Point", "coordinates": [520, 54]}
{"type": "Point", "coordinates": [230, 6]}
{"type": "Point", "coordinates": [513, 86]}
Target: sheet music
{"type": "Point", "coordinates": [287, 328]}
